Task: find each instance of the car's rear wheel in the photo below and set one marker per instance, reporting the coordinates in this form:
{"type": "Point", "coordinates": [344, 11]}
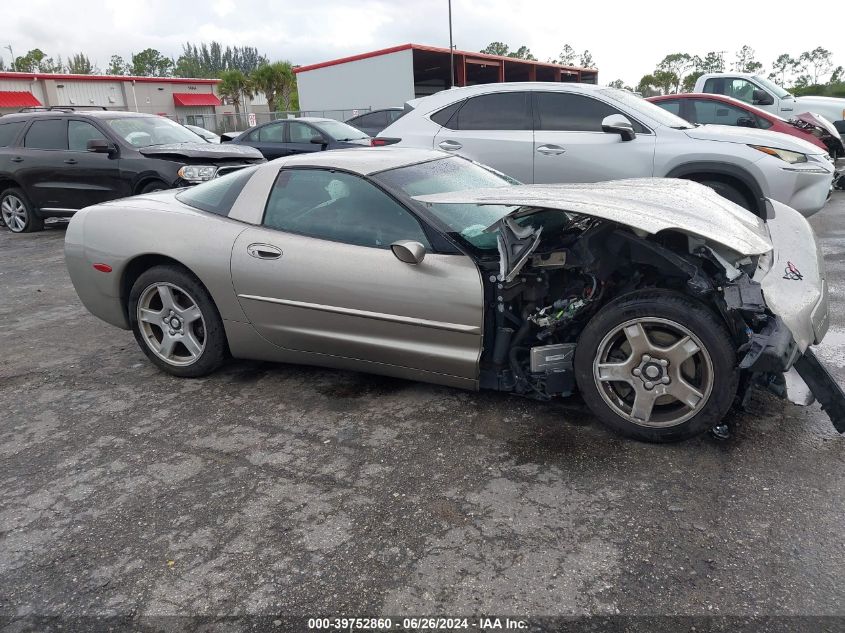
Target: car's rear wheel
{"type": "Point", "coordinates": [17, 212]}
{"type": "Point", "coordinates": [656, 366]}
{"type": "Point", "coordinates": [729, 192]}
{"type": "Point", "coordinates": [155, 185]}
{"type": "Point", "coordinates": [176, 322]}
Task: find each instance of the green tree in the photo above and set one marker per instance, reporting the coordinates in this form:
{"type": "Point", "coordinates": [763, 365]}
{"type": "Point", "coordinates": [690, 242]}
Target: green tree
{"type": "Point", "coordinates": [818, 62]}
{"type": "Point", "coordinates": [277, 82]}
{"type": "Point", "coordinates": [781, 67]}
{"type": "Point", "coordinates": [616, 83]}
{"type": "Point", "coordinates": [665, 80]}
{"type": "Point", "coordinates": [746, 62]}
{"type": "Point", "coordinates": [117, 66]}
{"type": "Point", "coordinates": [235, 85]}
{"type": "Point", "coordinates": [31, 62]}
{"type": "Point", "coordinates": [79, 64]}
{"type": "Point", "coordinates": [523, 52]}
{"type": "Point", "coordinates": [567, 55]}
{"type": "Point", "coordinates": [49, 65]}
{"type": "Point", "coordinates": [648, 86]}
{"type": "Point", "coordinates": [496, 48]}
{"type": "Point", "coordinates": [151, 63]}
{"type": "Point", "coordinates": [586, 60]}
{"type": "Point", "coordinates": [838, 75]}
{"type": "Point", "coordinates": [712, 62]}
{"type": "Point", "coordinates": [2, 64]}
{"type": "Point", "coordinates": [676, 64]}
{"type": "Point", "coordinates": [688, 82]}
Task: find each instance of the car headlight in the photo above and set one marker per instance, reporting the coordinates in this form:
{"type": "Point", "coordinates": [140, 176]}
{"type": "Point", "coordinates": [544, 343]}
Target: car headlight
{"type": "Point", "coordinates": [783, 154]}
{"type": "Point", "coordinates": [197, 173]}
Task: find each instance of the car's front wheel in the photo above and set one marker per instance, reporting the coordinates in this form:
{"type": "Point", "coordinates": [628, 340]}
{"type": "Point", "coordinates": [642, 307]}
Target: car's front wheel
{"type": "Point", "coordinates": [657, 366]}
{"type": "Point", "coordinates": [176, 322]}
{"type": "Point", "coordinates": [17, 212]}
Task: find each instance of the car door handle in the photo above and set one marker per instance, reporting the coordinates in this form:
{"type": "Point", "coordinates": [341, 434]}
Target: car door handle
{"type": "Point", "coordinates": [71, 161]}
{"type": "Point", "coordinates": [17, 159]}
{"type": "Point", "coordinates": [450, 146]}
{"type": "Point", "coordinates": [551, 150]}
{"type": "Point", "coordinates": [264, 251]}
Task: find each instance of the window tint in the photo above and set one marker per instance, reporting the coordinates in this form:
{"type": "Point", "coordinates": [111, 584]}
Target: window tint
{"type": "Point", "coordinates": [394, 115]}
{"type": "Point", "coordinates": [49, 134]}
{"type": "Point", "coordinates": [673, 106]}
{"type": "Point", "coordinates": [302, 133]}
{"type": "Point", "coordinates": [217, 195]}
{"type": "Point", "coordinates": [735, 87]}
{"type": "Point", "coordinates": [498, 111]}
{"type": "Point", "coordinates": [563, 111]}
{"type": "Point", "coordinates": [374, 119]}
{"type": "Point", "coordinates": [79, 133]}
{"type": "Point", "coordinates": [340, 207]}
{"type": "Point", "coordinates": [719, 113]}
{"type": "Point", "coordinates": [273, 133]}
{"type": "Point", "coordinates": [441, 117]}
{"type": "Point", "coordinates": [9, 132]}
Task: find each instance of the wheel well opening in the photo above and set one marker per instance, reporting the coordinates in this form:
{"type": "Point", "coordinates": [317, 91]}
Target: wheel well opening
{"type": "Point", "coordinates": [736, 183]}
{"type": "Point", "coordinates": [148, 180]}
{"type": "Point", "coordinates": [6, 183]}
{"type": "Point", "coordinates": [136, 268]}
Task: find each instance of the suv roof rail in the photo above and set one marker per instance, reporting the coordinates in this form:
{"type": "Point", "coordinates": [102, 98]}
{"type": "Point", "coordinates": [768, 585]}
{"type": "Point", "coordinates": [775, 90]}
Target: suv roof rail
{"type": "Point", "coordinates": [69, 108]}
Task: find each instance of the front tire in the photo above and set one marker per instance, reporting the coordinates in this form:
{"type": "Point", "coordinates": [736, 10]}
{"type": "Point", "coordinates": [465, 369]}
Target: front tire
{"type": "Point", "coordinates": [176, 323]}
{"type": "Point", "coordinates": [657, 366]}
{"type": "Point", "coordinates": [729, 192]}
{"type": "Point", "coordinates": [17, 212]}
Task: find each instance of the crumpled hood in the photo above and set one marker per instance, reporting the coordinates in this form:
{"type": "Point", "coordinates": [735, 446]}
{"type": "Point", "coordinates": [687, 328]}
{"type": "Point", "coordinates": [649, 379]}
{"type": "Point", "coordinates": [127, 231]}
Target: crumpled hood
{"type": "Point", "coordinates": [211, 151]}
{"type": "Point", "coordinates": [749, 136]}
{"type": "Point", "coordinates": [649, 204]}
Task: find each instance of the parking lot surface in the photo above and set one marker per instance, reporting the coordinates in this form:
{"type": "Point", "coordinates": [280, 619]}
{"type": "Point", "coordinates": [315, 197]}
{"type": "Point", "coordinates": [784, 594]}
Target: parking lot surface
{"type": "Point", "coordinates": [279, 489]}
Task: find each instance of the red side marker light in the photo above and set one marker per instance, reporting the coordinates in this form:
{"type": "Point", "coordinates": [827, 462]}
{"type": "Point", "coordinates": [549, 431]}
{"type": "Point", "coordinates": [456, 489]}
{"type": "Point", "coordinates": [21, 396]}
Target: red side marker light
{"type": "Point", "coordinates": [103, 268]}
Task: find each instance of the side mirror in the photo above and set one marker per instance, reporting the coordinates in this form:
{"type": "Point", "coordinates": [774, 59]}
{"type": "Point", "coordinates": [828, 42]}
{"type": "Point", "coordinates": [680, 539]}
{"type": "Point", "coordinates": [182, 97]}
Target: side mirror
{"type": "Point", "coordinates": [761, 97]}
{"type": "Point", "coordinates": [408, 251]}
{"type": "Point", "coordinates": [319, 140]}
{"type": "Point", "coordinates": [618, 124]}
{"type": "Point", "coordinates": [746, 121]}
{"type": "Point", "coordinates": [100, 146]}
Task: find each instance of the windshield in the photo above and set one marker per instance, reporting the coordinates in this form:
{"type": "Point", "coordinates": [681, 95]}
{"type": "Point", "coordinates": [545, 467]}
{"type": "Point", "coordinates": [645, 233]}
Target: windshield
{"type": "Point", "coordinates": [144, 131]}
{"type": "Point", "coordinates": [779, 92]}
{"type": "Point", "coordinates": [454, 174]}
{"type": "Point", "coordinates": [640, 105]}
{"type": "Point", "coordinates": [340, 131]}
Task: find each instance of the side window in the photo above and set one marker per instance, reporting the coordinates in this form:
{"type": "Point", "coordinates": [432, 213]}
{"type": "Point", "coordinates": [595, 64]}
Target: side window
{"type": "Point", "coordinates": [219, 194]}
{"type": "Point", "coordinates": [47, 134]}
{"type": "Point", "coordinates": [443, 116]}
{"type": "Point", "coordinates": [715, 85]}
{"type": "Point", "coordinates": [742, 90]}
{"type": "Point", "coordinates": [339, 207]}
{"type": "Point", "coordinates": [565, 111]}
{"type": "Point", "coordinates": [394, 115]}
{"type": "Point", "coordinates": [670, 105]}
{"type": "Point", "coordinates": [273, 133]}
{"type": "Point", "coordinates": [79, 133]}
{"type": "Point", "coordinates": [498, 111]}
{"type": "Point", "coordinates": [302, 132]}
{"type": "Point", "coordinates": [718, 113]}
{"type": "Point", "coordinates": [374, 119]}
{"type": "Point", "coordinates": [9, 132]}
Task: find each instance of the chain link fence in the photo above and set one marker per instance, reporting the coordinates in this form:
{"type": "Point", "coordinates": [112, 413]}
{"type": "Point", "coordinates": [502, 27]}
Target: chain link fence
{"type": "Point", "coordinates": [222, 123]}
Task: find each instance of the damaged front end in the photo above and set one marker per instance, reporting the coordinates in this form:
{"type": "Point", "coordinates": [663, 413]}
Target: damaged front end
{"type": "Point", "coordinates": [566, 251]}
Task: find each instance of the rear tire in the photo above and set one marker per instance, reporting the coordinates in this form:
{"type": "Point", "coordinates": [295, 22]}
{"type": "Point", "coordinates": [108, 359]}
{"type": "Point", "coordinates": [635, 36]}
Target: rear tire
{"type": "Point", "coordinates": [155, 185]}
{"type": "Point", "coordinates": [176, 323]}
{"type": "Point", "coordinates": [17, 212]}
{"type": "Point", "coordinates": [657, 366]}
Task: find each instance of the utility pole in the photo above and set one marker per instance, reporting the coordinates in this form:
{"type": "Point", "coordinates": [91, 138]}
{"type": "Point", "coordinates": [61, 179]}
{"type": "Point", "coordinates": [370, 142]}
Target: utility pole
{"type": "Point", "coordinates": [11, 52]}
{"type": "Point", "coordinates": [451, 51]}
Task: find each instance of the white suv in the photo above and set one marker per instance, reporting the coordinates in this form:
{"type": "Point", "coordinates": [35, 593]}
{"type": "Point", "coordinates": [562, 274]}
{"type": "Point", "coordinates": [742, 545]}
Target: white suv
{"type": "Point", "coordinates": [567, 132]}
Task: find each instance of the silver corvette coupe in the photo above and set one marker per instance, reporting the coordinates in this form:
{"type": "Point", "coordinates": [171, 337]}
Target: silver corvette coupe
{"type": "Point", "coordinates": [659, 301]}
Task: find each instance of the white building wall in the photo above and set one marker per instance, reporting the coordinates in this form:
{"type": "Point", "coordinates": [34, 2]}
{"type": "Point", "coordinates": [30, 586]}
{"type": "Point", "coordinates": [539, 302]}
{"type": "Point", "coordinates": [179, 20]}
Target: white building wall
{"type": "Point", "coordinates": [375, 82]}
{"type": "Point", "coordinates": [23, 85]}
{"type": "Point", "coordinates": [90, 93]}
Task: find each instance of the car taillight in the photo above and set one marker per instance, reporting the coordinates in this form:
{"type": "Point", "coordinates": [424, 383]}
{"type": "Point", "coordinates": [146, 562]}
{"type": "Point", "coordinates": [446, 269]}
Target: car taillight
{"type": "Point", "coordinates": [381, 141]}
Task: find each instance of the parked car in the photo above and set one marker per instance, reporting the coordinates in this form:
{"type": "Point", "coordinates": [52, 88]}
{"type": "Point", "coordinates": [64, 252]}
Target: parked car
{"type": "Point", "coordinates": [716, 109]}
{"type": "Point", "coordinates": [569, 132]}
{"type": "Point", "coordinates": [207, 135]}
{"type": "Point", "coordinates": [286, 137]}
{"type": "Point", "coordinates": [657, 299]}
{"type": "Point", "coordinates": [371, 123]}
{"type": "Point", "coordinates": [761, 92]}
{"type": "Point", "coordinates": [54, 162]}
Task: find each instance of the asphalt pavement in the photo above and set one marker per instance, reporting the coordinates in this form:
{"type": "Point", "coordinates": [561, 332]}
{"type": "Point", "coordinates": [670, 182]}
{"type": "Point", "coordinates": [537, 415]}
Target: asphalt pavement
{"type": "Point", "coordinates": [280, 490]}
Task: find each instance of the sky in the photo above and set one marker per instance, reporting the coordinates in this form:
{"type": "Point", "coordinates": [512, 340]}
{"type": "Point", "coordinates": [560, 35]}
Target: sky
{"type": "Point", "coordinates": [626, 39]}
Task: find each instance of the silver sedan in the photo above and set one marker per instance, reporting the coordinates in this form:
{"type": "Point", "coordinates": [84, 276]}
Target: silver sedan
{"type": "Point", "coordinates": [658, 300]}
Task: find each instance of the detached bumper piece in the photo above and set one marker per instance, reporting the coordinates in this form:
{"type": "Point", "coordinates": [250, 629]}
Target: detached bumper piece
{"type": "Point", "coordinates": [829, 394]}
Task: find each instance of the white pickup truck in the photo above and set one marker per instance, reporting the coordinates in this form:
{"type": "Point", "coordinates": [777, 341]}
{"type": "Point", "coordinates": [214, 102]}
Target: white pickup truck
{"type": "Point", "coordinates": [764, 94]}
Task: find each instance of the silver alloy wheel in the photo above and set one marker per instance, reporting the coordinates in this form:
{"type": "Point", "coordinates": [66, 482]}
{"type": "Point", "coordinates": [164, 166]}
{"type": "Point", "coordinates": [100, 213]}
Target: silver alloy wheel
{"type": "Point", "coordinates": [14, 213]}
{"type": "Point", "coordinates": [653, 372]}
{"type": "Point", "coordinates": [171, 324]}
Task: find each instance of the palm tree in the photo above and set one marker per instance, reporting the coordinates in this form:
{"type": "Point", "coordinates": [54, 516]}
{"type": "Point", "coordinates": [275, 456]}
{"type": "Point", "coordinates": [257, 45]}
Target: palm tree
{"type": "Point", "coordinates": [234, 86]}
{"type": "Point", "coordinates": [276, 81]}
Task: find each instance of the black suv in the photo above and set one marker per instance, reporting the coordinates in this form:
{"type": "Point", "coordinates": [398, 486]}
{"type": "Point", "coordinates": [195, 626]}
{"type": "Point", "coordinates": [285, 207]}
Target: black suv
{"type": "Point", "coordinates": [56, 161]}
